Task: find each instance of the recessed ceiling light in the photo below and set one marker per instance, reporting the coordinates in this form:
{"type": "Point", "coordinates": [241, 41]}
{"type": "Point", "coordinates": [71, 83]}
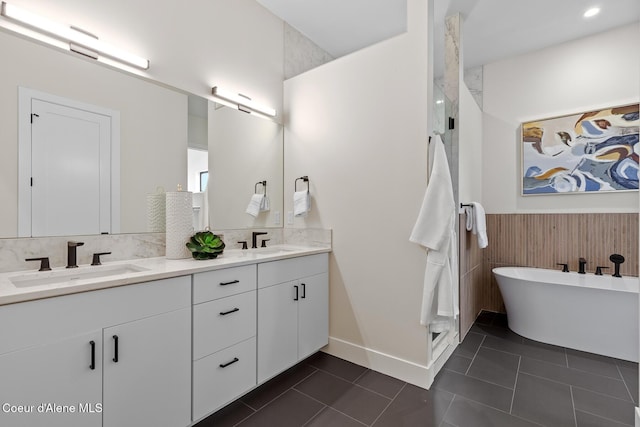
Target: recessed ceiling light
{"type": "Point", "coordinates": [591, 12]}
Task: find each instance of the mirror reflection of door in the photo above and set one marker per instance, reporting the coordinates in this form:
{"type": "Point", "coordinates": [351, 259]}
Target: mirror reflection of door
{"type": "Point", "coordinates": [70, 180]}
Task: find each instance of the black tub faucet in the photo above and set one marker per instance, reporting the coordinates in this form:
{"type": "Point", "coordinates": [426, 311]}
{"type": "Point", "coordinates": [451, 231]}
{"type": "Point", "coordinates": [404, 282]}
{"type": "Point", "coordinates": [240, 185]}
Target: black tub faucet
{"type": "Point", "coordinates": [565, 267]}
{"type": "Point", "coordinates": [617, 259]}
{"type": "Point", "coordinates": [581, 264]}
{"type": "Point", "coordinates": [71, 254]}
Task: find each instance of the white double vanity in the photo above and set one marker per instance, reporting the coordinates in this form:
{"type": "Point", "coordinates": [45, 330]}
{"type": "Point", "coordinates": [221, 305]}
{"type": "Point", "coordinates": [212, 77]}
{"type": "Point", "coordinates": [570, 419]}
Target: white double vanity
{"type": "Point", "coordinates": [165, 343]}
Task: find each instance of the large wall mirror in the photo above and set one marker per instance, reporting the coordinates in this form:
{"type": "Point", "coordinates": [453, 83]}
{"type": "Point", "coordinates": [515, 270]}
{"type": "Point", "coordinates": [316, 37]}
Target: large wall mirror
{"type": "Point", "coordinates": [156, 124]}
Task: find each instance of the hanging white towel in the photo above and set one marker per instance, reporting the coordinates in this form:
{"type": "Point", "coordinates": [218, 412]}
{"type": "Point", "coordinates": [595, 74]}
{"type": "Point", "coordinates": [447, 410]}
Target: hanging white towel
{"type": "Point", "coordinates": [254, 205]}
{"type": "Point", "coordinates": [480, 225]}
{"type": "Point", "coordinates": [468, 215]}
{"type": "Point", "coordinates": [265, 205]}
{"type": "Point", "coordinates": [435, 230]}
{"type": "Point", "coordinates": [301, 203]}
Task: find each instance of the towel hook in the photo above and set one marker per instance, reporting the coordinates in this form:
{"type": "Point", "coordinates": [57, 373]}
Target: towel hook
{"type": "Point", "coordinates": [264, 186]}
{"type": "Point", "coordinates": [304, 179]}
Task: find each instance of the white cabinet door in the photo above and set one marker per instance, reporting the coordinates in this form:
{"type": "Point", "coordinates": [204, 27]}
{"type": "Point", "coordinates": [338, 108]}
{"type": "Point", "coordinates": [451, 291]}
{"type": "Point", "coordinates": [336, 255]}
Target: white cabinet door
{"type": "Point", "coordinates": [277, 329]}
{"type": "Point", "coordinates": [67, 373]}
{"type": "Point", "coordinates": [149, 384]}
{"type": "Point", "coordinates": [313, 314]}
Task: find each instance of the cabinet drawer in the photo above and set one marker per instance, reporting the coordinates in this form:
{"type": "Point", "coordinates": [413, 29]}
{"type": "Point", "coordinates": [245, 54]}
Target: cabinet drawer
{"type": "Point", "coordinates": [223, 283]}
{"type": "Point", "coordinates": [215, 384]}
{"type": "Point", "coordinates": [274, 272]}
{"type": "Point", "coordinates": [223, 322]}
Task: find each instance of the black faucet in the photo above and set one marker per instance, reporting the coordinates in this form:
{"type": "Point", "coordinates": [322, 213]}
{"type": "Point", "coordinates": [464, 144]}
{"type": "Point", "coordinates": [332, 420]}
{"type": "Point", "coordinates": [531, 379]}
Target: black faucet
{"type": "Point", "coordinates": [581, 264]}
{"type": "Point", "coordinates": [254, 236]}
{"type": "Point", "coordinates": [617, 259]}
{"type": "Point", "coordinates": [71, 254]}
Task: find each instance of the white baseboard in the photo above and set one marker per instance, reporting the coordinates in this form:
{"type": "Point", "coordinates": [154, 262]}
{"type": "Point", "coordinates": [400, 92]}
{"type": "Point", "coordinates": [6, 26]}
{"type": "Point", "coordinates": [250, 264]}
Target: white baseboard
{"type": "Point", "coordinates": [413, 373]}
{"type": "Point", "coordinates": [637, 417]}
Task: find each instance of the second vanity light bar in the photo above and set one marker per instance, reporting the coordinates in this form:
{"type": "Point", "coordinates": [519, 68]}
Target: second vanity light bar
{"type": "Point", "coordinates": [74, 36]}
{"type": "Point", "coordinates": [242, 102]}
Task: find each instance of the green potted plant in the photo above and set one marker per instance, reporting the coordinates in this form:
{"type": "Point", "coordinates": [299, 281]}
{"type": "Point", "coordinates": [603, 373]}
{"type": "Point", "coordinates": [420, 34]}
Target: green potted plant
{"type": "Point", "coordinates": [205, 245]}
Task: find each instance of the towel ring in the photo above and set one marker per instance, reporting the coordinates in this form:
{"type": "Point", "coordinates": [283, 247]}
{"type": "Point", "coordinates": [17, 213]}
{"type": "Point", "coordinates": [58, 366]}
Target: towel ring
{"type": "Point", "coordinates": [304, 179]}
{"type": "Point", "coordinates": [264, 186]}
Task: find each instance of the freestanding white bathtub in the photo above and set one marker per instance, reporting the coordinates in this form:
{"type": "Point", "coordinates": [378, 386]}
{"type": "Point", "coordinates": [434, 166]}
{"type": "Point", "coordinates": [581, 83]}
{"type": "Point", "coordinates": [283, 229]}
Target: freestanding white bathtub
{"type": "Point", "coordinates": [597, 314]}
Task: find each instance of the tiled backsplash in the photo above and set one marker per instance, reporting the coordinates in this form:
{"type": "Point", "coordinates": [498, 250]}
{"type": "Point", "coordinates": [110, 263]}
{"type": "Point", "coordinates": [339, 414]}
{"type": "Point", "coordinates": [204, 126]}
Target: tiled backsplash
{"type": "Point", "coordinates": [543, 240]}
{"type": "Point", "coordinates": [132, 246]}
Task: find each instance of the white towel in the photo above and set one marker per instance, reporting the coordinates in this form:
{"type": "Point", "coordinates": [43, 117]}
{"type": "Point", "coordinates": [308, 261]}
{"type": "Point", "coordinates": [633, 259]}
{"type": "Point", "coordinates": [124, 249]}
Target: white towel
{"type": "Point", "coordinates": [480, 225]}
{"type": "Point", "coordinates": [468, 215]}
{"type": "Point", "coordinates": [265, 205]}
{"type": "Point", "coordinates": [435, 230]}
{"type": "Point", "coordinates": [301, 203]}
{"type": "Point", "coordinates": [254, 205]}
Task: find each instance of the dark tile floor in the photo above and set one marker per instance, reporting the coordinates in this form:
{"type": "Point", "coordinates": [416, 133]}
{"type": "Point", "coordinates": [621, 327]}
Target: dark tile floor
{"type": "Point", "coordinates": [495, 378]}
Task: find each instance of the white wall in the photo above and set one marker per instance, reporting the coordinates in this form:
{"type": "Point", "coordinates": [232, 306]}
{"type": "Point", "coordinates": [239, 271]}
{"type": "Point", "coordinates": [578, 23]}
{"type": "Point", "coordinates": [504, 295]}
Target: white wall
{"type": "Point", "coordinates": [358, 128]}
{"type": "Point", "coordinates": [243, 150]}
{"type": "Point", "coordinates": [198, 132]}
{"type": "Point", "coordinates": [197, 161]}
{"type": "Point", "coordinates": [574, 77]}
{"type": "Point", "coordinates": [470, 148]}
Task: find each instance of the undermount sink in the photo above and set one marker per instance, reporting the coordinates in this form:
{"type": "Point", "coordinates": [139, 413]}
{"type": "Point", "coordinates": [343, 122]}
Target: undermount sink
{"type": "Point", "coordinates": [261, 252]}
{"type": "Point", "coordinates": [274, 250]}
{"type": "Point", "coordinates": [73, 275]}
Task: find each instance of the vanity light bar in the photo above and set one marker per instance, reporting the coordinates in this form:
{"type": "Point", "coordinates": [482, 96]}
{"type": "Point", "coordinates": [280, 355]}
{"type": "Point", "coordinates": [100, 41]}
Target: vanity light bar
{"type": "Point", "coordinates": [73, 36]}
{"type": "Point", "coordinates": [241, 102]}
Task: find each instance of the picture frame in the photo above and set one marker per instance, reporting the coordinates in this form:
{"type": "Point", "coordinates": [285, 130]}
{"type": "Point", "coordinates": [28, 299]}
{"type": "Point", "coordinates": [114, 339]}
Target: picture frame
{"type": "Point", "coordinates": [590, 152]}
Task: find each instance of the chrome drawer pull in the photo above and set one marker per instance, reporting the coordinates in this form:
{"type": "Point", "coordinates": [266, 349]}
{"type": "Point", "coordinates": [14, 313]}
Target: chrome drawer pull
{"type": "Point", "coordinates": [224, 365]}
{"type": "Point", "coordinates": [224, 313]}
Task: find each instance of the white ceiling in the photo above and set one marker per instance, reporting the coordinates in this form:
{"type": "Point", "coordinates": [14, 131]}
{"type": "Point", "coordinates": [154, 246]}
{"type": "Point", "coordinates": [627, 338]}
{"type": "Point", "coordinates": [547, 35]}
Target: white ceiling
{"type": "Point", "coordinates": [492, 29]}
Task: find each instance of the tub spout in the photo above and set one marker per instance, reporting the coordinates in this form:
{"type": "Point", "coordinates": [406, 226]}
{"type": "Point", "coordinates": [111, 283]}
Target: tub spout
{"type": "Point", "coordinates": [617, 259]}
{"type": "Point", "coordinates": [581, 264]}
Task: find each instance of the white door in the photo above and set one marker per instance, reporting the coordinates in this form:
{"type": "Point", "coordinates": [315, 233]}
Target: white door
{"type": "Point", "coordinates": [68, 166]}
{"type": "Point", "coordinates": [71, 163]}
{"type": "Point", "coordinates": [147, 381]}
{"type": "Point", "coordinates": [313, 314]}
{"type": "Point", "coordinates": [67, 373]}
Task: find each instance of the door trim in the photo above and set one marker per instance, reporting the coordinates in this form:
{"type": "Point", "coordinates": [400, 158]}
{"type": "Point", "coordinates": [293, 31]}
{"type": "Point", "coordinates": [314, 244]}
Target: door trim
{"type": "Point", "coordinates": [25, 95]}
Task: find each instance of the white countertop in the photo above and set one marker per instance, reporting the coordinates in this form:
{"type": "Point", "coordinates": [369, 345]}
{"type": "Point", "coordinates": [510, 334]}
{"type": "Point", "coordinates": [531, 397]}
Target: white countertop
{"type": "Point", "coordinates": [154, 269]}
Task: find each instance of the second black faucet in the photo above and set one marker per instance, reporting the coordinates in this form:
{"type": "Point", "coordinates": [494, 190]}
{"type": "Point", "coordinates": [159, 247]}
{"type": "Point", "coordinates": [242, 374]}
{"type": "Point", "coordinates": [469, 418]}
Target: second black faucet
{"type": "Point", "coordinates": [581, 265]}
{"type": "Point", "coordinates": [254, 236]}
{"type": "Point", "coordinates": [72, 260]}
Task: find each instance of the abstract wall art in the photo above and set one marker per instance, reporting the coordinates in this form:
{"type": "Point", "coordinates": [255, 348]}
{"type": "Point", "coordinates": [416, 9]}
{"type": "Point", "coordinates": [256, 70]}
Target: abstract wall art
{"type": "Point", "coordinates": [595, 151]}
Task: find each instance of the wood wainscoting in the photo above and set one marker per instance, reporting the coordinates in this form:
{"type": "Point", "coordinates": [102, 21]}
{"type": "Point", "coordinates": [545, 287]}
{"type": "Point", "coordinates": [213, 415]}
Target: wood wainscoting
{"type": "Point", "coordinates": [540, 240]}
